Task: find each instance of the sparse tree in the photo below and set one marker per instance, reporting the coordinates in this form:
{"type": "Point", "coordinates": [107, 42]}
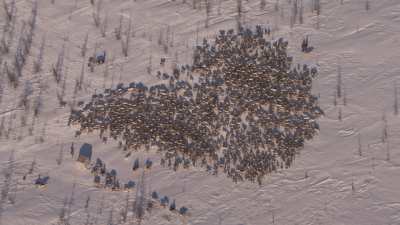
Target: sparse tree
{"type": "Point", "coordinates": [276, 7]}
{"type": "Point", "coordinates": [149, 66]}
{"type": "Point", "coordinates": [118, 30]}
{"type": "Point", "coordinates": [294, 13]}
{"type": "Point", "coordinates": [334, 99]}
{"type": "Point", "coordinates": [10, 9]}
{"type": "Point", "coordinates": [239, 10]}
{"type": "Point", "coordinates": [62, 214]}
{"type": "Point", "coordinates": [339, 82]}
{"type": "Point", "coordinates": [27, 91]}
{"type": "Point", "coordinates": [38, 102]}
{"type": "Point", "coordinates": [97, 13]}
{"type": "Point", "coordinates": [208, 11]}
{"type": "Point", "coordinates": [59, 160]}
{"type": "Point", "coordinates": [125, 43]}
{"type": "Point", "coordinates": [104, 25]}
{"type": "Point", "coordinates": [37, 65]}
{"type": "Point", "coordinates": [140, 199]}
{"type": "Point", "coordinates": [84, 45]}
{"type": "Point", "coordinates": [384, 132]}
{"type": "Point", "coordinates": [43, 134]}
{"type": "Point", "coordinates": [396, 101]}
{"type": "Point", "coordinates": [367, 5]}
{"type": "Point", "coordinates": [124, 213]}
{"type": "Point", "coordinates": [387, 152]}
{"type": "Point", "coordinates": [359, 145]}
{"type": "Point", "coordinates": [2, 126]}
{"type": "Point", "coordinates": [58, 67]}
{"type": "Point", "coordinates": [263, 3]}
{"type": "Point", "coordinates": [301, 17]}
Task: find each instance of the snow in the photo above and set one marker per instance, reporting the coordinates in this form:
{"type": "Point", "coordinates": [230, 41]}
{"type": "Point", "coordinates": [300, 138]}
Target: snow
{"type": "Point", "coordinates": [364, 44]}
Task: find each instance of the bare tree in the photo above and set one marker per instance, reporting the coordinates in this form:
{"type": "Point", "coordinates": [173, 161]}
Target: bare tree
{"type": "Point", "coordinates": [32, 167]}
{"type": "Point", "coordinates": [384, 131]}
{"type": "Point", "coordinates": [125, 43]}
{"type": "Point", "coordinates": [38, 102]}
{"type": "Point", "coordinates": [301, 17]}
{"type": "Point", "coordinates": [84, 45]}
{"type": "Point", "coordinates": [263, 3]}
{"type": "Point", "coordinates": [118, 30]}
{"type": "Point", "coordinates": [140, 199]}
{"type": "Point", "coordinates": [294, 13]}
{"type": "Point", "coordinates": [396, 101]}
{"type": "Point", "coordinates": [61, 94]}
{"type": "Point", "coordinates": [10, 9]}
{"type": "Point", "coordinates": [367, 5]}
{"type": "Point", "coordinates": [276, 7]}
{"type": "Point", "coordinates": [125, 211]}
{"type": "Point", "coordinates": [58, 67]}
{"type": "Point", "coordinates": [334, 98]}
{"type": "Point", "coordinates": [239, 10]}
{"type": "Point", "coordinates": [27, 91]}
{"type": "Point", "coordinates": [97, 13]}
{"type": "Point", "coordinates": [87, 202]}
{"type": "Point", "coordinates": [387, 152]}
{"type": "Point", "coordinates": [62, 214]}
{"type": "Point", "coordinates": [1, 84]}
{"type": "Point", "coordinates": [70, 204]}
{"type": "Point", "coordinates": [59, 160]}
{"type": "Point", "coordinates": [316, 6]}
{"type": "Point", "coordinates": [104, 24]}
{"type": "Point", "coordinates": [32, 126]}
{"type": "Point", "coordinates": [43, 134]}
{"type": "Point", "coordinates": [339, 82]}
{"type": "Point", "coordinates": [8, 35]}
{"type": "Point", "coordinates": [340, 114]}
{"type": "Point", "coordinates": [359, 145]}
{"type": "Point", "coordinates": [80, 80]}
{"type": "Point", "coordinates": [2, 126]}
{"type": "Point", "coordinates": [208, 11]}
{"type": "Point", "coordinates": [37, 65]}
{"type": "Point", "coordinates": [110, 217]}
{"type": "Point", "coordinates": [7, 184]}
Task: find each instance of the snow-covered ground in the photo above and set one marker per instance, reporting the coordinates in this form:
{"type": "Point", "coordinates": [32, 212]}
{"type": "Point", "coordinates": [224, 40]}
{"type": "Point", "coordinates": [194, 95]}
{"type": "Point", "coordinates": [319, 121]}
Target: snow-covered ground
{"type": "Point", "coordinates": [330, 183]}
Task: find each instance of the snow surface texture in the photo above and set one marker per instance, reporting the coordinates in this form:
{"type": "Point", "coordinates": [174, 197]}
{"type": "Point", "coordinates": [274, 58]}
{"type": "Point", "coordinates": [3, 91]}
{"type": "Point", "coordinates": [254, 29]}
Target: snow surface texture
{"type": "Point", "coordinates": [329, 183]}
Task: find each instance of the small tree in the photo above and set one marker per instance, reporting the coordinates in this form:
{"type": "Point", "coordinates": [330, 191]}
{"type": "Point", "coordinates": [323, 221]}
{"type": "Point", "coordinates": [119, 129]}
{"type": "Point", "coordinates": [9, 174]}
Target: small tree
{"type": "Point", "coordinates": [104, 24]}
{"type": "Point", "coordinates": [263, 3]}
{"type": "Point", "coordinates": [59, 160]}
{"type": "Point", "coordinates": [10, 9]}
{"type": "Point", "coordinates": [58, 67]}
{"type": "Point", "coordinates": [84, 45]}
{"type": "Point", "coordinates": [125, 43]}
{"type": "Point", "coordinates": [276, 7]}
{"type": "Point", "coordinates": [97, 13]}
{"type": "Point", "coordinates": [367, 5]}
{"type": "Point", "coordinates": [208, 11]}
{"type": "Point", "coordinates": [37, 65]}
{"type": "Point", "coordinates": [339, 82]}
{"type": "Point", "coordinates": [396, 102]}
{"type": "Point", "coordinates": [118, 30]}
